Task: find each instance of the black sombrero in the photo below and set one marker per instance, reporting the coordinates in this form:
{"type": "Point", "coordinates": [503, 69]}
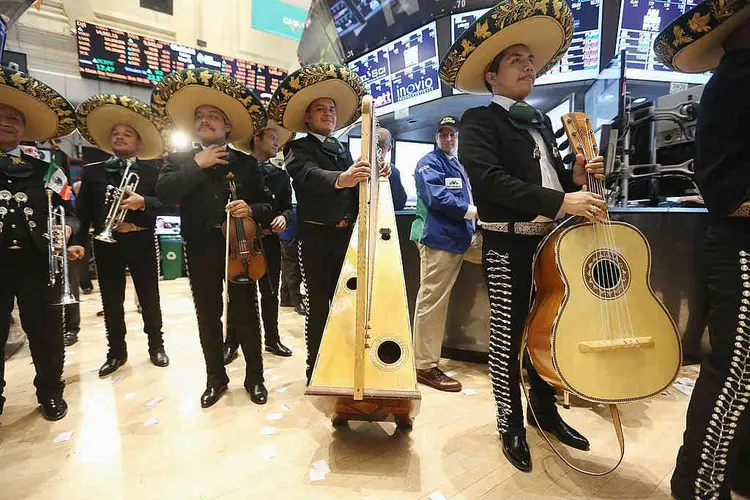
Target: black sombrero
{"type": "Point", "coordinates": [692, 43]}
{"type": "Point", "coordinates": [301, 88]}
{"type": "Point", "coordinates": [176, 97]}
{"type": "Point", "coordinates": [97, 116]}
{"type": "Point", "coordinates": [48, 115]}
{"type": "Point", "coordinates": [545, 26]}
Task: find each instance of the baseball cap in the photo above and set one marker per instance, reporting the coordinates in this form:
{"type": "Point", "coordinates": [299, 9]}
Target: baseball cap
{"type": "Point", "coordinates": [449, 121]}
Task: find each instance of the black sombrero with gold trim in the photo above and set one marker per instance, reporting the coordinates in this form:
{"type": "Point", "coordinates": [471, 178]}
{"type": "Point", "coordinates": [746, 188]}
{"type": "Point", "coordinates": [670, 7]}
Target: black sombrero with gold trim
{"type": "Point", "coordinates": [97, 116]}
{"type": "Point", "coordinates": [301, 88]}
{"type": "Point", "coordinates": [47, 113]}
{"type": "Point", "coordinates": [692, 43]}
{"type": "Point", "coordinates": [176, 97]}
{"type": "Point", "coordinates": [544, 26]}
{"type": "Point", "coordinates": [284, 137]}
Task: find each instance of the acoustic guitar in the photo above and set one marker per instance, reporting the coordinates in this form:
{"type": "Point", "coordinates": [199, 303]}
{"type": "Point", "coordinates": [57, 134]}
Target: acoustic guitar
{"type": "Point", "coordinates": [365, 367]}
{"type": "Point", "coordinates": [596, 328]}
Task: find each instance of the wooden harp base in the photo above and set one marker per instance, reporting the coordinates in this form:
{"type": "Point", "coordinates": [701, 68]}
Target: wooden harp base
{"type": "Point", "coordinates": [341, 410]}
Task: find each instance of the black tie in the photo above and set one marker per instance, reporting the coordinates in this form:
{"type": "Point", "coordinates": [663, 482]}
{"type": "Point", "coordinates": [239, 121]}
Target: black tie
{"type": "Point", "coordinates": [525, 116]}
{"type": "Point", "coordinates": [333, 147]}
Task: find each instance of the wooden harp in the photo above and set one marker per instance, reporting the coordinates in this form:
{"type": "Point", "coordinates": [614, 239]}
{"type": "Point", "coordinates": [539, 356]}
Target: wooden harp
{"type": "Point", "coordinates": [365, 367]}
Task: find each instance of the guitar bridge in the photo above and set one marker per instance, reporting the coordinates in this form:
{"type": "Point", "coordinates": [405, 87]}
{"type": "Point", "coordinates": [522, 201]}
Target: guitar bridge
{"type": "Point", "coordinates": [615, 344]}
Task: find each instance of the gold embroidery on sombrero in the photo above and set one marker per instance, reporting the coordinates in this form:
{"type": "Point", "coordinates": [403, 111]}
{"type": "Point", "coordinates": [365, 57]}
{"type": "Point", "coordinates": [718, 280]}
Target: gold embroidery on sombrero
{"type": "Point", "coordinates": [699, 23]}
{"type": "Point", "coordinates": [93, 103]}
{"type": "Point", "coordinates": [482, 31]}
{"type": "Point", "coordinates": [680, 37]}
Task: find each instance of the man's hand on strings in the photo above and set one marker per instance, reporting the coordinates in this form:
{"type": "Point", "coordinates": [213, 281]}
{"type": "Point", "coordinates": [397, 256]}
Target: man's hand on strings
{"type": "Point", "coordinates": [353, 175]}
{"type": "Point", "coordinates": [385, 169]}
{"type": "Point", "coordinates": [239, 209]}
{"type": "Point", "coordinates": [581, 169]}
{"type": "Point", "coordinates": [585, 204]}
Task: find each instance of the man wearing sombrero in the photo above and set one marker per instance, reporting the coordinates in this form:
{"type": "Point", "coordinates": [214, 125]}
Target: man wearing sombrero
{"type": "Point", "coordinates": [123, 127]}
{"type": "Point", "coordinates": [218, 110]}
{"type": "Point", "coordinates": [319, 100]}
{"type": "Point", "coordinates": [520, 187]}
{"type": "Point", "coordinates": [32, 111]}
{"type": "Point", "coordinates": [264, 146]}
{"type": "Point", "coordinates": [715, 454]}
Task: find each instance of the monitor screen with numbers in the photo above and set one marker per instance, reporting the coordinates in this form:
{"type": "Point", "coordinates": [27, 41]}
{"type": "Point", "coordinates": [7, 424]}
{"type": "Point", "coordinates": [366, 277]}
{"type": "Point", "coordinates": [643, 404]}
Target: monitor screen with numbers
{"type": "Point", "coordinates": [640, 23]}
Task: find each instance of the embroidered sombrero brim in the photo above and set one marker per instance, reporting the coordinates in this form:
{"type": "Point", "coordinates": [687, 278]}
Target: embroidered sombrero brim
{"type": "Point", "coordinates": [692, 43]}
{"type": "Point", "coordinates": [306, 85]}
{"type": "Point", "coordinates": [47, 113]}
{"type": "Point", "coordinates": [97, 116]}
{"type": "Point", "coordinates": [284, 137]}
{"type": "Point", "coordinates": [176, 97]}
{"type": "Point", "coordinates": [544, 26]}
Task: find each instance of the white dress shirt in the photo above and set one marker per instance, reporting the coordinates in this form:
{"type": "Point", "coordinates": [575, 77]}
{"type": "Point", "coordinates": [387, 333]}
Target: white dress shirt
{"type": "Point", "coordinates": [550, 179]}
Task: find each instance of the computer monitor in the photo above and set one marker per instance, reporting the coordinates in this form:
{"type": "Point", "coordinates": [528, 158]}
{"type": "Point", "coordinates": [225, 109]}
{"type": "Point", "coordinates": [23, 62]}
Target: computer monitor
{"type": "Point", "coordinates": [167, 224]}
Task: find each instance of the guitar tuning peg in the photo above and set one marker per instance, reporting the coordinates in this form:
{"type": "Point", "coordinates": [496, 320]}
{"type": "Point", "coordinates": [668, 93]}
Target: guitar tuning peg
{"type": "Point", "coordinates": [559, 133]}
{"type": "Point", "coordinates": [564, 145]}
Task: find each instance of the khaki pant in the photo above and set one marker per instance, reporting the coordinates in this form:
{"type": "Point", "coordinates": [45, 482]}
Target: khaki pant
{"type": "Point", "coordinates": [438, 272]}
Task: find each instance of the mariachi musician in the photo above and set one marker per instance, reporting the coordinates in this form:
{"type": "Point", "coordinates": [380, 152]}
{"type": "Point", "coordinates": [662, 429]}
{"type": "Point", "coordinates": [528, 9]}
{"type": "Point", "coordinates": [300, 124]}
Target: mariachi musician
{"type": "Point", "coordinates": [715, 453]}
{"type": "Point", "coordinates": [263, 147]}
{"type": "Point", "coordinates": [123, 127]}
{"type": "Point", "coordinates": [520, 187]}
{"type": "Point", "coordinates": [319, 100]}
{"type": "Point", "coordinates": [220, 111]}
{"type": "Point", "coordinates": [32, 111]}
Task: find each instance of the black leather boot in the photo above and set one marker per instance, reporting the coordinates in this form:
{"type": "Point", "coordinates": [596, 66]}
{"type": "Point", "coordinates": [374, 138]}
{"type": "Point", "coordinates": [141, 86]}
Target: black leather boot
{"type": "Point", "coordinates": [258, 392]}
{"type": "Point", "coordinates": [54, 408]}
{"type": "Point", "coordinates": [516, 450]}
{"type": "Point", "coordinates": [212, 394]}
{"type": "Point", "coordinates": [555, 425]}
{"type": "Point", "coordinates": [111, 365]}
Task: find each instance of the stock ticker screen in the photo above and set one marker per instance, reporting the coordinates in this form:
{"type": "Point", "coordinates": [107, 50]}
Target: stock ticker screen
{"type": "Point", "coordinates": [640, 23]}
{"type": "Point", "coordinates": [581, 62]}
{"type": "Point", "coordinates": [110, 54]}
{"type": "Point", "coordinates": [404, 72]}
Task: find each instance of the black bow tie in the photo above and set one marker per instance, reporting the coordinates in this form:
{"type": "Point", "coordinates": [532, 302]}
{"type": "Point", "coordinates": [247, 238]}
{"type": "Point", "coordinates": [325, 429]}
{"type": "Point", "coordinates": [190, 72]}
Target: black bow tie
{"type": "Point", "coordinates": [13, 166]}
{"type": "Point", "coordinates": [118, 165]}
{"type": "Point", "coordinates": [333, 147]}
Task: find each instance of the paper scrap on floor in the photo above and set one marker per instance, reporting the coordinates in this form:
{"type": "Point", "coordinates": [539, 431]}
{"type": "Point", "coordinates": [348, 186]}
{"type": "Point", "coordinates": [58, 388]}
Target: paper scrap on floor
{"type": "Point", "coordinates": [267, 431]}
{"type": "Point", "coordinates": [151, 421]}
{"type": "Point", "coordinates": [154, 401]}
{"type": "Point", "coordinates": [63, 436]}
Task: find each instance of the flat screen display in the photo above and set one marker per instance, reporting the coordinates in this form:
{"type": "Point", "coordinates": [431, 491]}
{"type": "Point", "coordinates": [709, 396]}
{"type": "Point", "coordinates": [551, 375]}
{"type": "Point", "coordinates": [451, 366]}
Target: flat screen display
{"type": "Point", "coordinates": [640, 23]}
{"type": "Point", "coordinates": [109, 54]}
{"type": "Point", "coordinates": [166, 224]}
{"type": "Point", "coordinates": [404, 72]}
{"type": "Point", "coordinates": [581, 62]}
{"type": "Point", "coordinates": [3, 33]}
{"type": "Point", "coordinates": [407, 156]}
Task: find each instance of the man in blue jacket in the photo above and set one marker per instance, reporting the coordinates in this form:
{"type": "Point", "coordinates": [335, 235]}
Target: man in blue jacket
{"type": "Point", "coordinates": [445, 233]}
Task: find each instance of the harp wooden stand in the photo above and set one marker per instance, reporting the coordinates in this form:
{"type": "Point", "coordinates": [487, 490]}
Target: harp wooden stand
{"type": "Point", "coordinates": [365, 368]}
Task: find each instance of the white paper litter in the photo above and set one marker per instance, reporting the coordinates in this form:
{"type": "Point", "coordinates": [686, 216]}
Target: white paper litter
{"type": "Point", "coordinates": [155, 401]}
{"type": "Point", "coordinates": [274, 378]}
{"type": "Point", "coordinates": [451, 373]}
{"type": "Point", "coordinates": [63, 436]}
{"type": "Point", "coordinates": [67, 363]}
{"type": "Point", "coordinates": [267, 431]}
{"type": "Point", "coordinates": [316, 476]}
{"type": "Point", "coordinates": [436, 495]}
{"type": "Point", "coordinates": [269, 454]}
{"type": "Point", "coordinates": [282, 389]}
{"type": "Point", "coordinates": [274, 416]}
{"type": "Point", "coordinates": [469, 392]}
{"type": "Point", "coordinates": [151, 421]}
{"type": "Point", "coordinates": [233, 369]}
{"type": "Point", "coordinates": [117, 379]}
{"type": "Point", "coordinates": [286, 407]}
{"type": "Point", "coordinates": [321, 466]}
{"type": "Point", "coordinates": [129, 396]}
{"type": "Point", "coordinates": [266, 371]}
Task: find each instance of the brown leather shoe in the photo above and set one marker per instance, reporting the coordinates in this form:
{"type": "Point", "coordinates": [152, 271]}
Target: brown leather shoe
{"type": "Point", "coordinates": [435, 378]}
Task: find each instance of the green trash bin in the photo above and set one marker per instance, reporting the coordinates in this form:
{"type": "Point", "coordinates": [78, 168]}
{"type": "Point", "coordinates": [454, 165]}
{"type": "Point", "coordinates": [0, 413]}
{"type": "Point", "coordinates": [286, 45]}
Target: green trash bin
{"type": "Point", "coordinates": [170, 248]}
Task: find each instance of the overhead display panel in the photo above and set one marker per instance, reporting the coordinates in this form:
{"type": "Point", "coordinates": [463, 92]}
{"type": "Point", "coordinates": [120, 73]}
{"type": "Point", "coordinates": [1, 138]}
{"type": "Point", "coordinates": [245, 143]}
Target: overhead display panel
{"type": "Point", "coordinates": [580, 62]}
{"type": "Point", "coordinates": [110, 54]}
{"type": "Point", "coordinates": [404, 72]}
{"type": "Point", "coordinates": [640, 23]}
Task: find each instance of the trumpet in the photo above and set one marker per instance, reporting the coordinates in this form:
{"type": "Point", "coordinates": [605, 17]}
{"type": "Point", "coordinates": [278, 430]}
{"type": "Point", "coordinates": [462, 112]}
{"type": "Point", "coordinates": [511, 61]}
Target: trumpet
{"type": "Point", "coordinates": [114, 196]}
{"type": "Point", "coordinates": [57, 246]}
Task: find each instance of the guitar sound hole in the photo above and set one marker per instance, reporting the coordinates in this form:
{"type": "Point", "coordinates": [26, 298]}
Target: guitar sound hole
{"type": "Point", "coordinates": [389, 352]}
{"type": "Point", "coordinates": [606, 274]}
{"type": "Point", "coordinates": [351, 283]}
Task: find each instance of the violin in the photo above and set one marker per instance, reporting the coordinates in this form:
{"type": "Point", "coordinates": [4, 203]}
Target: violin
{"type": "Point", "coordinates": [245, 260]}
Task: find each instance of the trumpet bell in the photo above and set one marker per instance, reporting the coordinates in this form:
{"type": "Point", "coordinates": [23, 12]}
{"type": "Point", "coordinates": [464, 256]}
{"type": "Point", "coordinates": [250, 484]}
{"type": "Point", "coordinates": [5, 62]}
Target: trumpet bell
{"type": "Point", "coordinates": [106, 236]}
{"type": "Point", "coordinates": [66, 299]}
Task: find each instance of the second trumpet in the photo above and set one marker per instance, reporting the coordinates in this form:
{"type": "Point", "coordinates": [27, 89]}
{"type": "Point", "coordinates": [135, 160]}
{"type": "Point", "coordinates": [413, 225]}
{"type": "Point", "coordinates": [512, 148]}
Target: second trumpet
{"type": "Point", "coordinates": [116, 213]}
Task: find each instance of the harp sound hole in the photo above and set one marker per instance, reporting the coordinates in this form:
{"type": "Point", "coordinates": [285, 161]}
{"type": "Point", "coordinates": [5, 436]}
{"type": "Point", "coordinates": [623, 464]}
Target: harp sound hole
{"type": "Point", "coordinates": [606, 274]}
{"type": "Point", "coordinates": [351, 283]}
{"type": "Point", "coordinates": [389, 352]}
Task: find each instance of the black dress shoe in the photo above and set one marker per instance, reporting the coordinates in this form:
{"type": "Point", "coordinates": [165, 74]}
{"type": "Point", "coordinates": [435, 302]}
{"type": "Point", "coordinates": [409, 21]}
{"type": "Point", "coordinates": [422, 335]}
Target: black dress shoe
{"type": "Point", "coordinates": [300, 309]}
{"type": "Point", "coordinates": [278, 349]}
{"type": "Point", "coordinates": [159, 358]}
{"type": "Point", "coordinates": [70, 338]}
{"type": "Point", "coordinates": [212, 394]}
{"type": "Point", "coordinates": [516, 450]}
{"type": "Point", "coordinates": [230, 353]}
{"type": "Point", "coordinates": [258, 392]}
{"type": "Point", "coordinates": [111, 365]}
{"type": "Point", "coordinates": [563, 432]}
{"type": "Point", "coordinates": [54, 408]}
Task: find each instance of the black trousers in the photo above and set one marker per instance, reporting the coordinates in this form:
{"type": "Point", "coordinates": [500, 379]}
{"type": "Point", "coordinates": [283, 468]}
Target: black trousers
{"type": "Point", "coordinates": [508, 272]}
{"type": "Point", "coordinates": [269, 293]}
{"type": "Point", "coordinates": [291, 275]}
{"type": "Point", "coordinates": [25, 277]}
{"type": "Point", "coordinates": [136, 251]}
{"type": "Point", "coordinates": [715, 454]}
{"type": "Point", "coordinates": [206, 271]}
{"type": "Point", "coordinates": [322, 254]}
